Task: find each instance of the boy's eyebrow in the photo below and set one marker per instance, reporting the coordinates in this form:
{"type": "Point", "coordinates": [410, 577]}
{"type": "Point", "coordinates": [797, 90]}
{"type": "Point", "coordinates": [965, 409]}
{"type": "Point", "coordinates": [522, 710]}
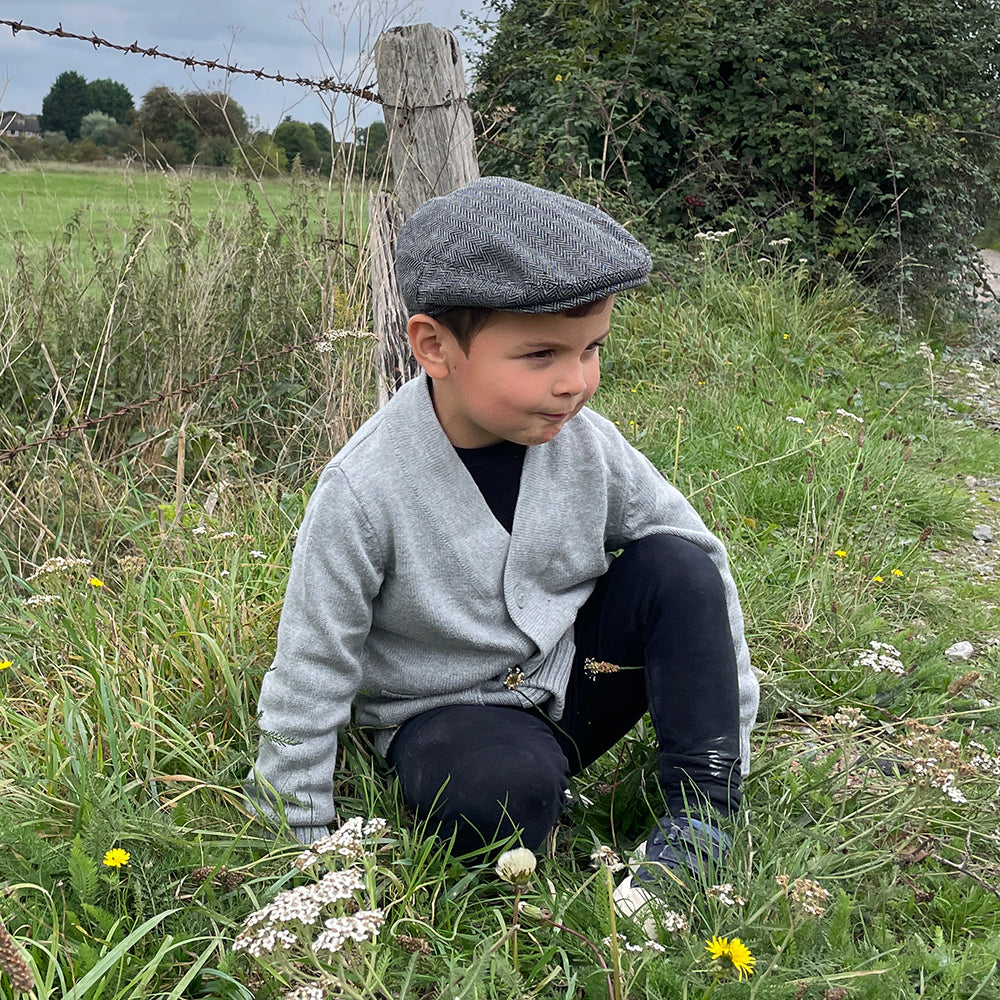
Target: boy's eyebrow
{"type": "Point", "coordinates": [538, 345]}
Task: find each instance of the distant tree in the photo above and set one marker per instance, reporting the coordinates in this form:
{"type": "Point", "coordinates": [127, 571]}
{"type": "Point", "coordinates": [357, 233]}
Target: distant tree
{"type": "Point", "coordinates": [65, 104]}
{"type": "Point", "coordinates": [160, 114]}
{"type": "Point", "coordinates": [258, 156]}
{"type": "Point", "coordinates": [186, 137]}
{"type": "Point", "coordinates": [297, 139]}
{"type": "Point", "coordinates": [373, 149]}
{"type": "Point", "coordinates": [213, 150]}
{"type": "Point", "coordinates": [216, 113]}
{"type": "Point", "coordinates": [322, 136]}
{"type": "Point", "coordinates": [101, 128]}
{"type": "Point", "coordinates": [110, 97]}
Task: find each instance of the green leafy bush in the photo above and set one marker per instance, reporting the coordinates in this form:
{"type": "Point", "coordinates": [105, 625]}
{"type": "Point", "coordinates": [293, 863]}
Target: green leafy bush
{"type": "Point", "coordinates": [866, 133]}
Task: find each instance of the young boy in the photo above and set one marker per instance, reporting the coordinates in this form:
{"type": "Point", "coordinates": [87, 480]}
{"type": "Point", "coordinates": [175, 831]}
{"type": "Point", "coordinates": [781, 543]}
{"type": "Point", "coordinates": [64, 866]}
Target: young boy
{"type": "Point", "coordinates": [454, 579]}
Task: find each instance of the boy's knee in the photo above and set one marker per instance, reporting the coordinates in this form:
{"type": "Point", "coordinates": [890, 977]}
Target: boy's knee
{"type": "Point", "coordinates": [515, 792]}
{"type": "Point", "coordinates": [676, 563]}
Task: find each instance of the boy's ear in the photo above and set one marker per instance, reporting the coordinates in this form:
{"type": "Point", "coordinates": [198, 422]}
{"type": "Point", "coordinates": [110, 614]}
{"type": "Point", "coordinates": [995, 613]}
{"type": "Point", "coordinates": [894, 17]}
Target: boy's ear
{"type": "Point", "coordinates": [428, 342]}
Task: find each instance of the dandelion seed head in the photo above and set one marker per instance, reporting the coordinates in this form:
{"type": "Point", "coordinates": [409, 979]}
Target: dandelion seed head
{"type": "Point", "coordinates": [517, 866]}
{"type": "Point", "coordinates": [605, 857]}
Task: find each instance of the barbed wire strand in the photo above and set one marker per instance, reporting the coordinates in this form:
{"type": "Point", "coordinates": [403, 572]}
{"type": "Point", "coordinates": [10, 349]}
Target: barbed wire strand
{"type": "Point", "coordinates": [326, 84]}
{"type": "Point", "coordinates": [64, 432]}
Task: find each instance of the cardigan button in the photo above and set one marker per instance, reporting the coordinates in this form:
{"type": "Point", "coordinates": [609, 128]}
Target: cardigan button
{"type": "Point", "coordinates": [519, 598]}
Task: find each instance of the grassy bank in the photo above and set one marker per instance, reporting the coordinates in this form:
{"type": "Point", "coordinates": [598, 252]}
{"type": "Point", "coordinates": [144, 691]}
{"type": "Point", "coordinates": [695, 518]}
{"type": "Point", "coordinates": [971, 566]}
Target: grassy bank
{"type": "Point", "coordinates": [145, 559]}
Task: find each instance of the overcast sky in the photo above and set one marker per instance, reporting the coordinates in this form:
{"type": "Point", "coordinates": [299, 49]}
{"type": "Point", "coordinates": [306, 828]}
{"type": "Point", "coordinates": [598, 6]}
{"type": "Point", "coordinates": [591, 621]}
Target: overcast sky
{"type": "Point", "coordinates": [291, 37]}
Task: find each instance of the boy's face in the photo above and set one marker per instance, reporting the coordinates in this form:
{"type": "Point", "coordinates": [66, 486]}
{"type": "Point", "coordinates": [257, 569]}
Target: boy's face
{"type": "Point", "coordinates": [525, 376]}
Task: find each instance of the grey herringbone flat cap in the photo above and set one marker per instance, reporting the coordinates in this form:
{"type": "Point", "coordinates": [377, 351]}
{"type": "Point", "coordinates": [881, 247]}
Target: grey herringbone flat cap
{"type": "Point", "coordinates": [502, 244]}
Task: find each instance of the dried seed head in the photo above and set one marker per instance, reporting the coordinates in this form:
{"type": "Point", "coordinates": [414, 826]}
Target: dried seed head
{"type": "Point", "coordinates": [12, 962]}
{"type": "Point", "coordinates": [414, 945]}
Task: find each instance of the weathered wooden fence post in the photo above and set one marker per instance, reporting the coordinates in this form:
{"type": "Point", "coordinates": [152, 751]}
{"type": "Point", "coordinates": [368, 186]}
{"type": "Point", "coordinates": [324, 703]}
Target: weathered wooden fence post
{"type": "Point", "coordinates": [432, 148]}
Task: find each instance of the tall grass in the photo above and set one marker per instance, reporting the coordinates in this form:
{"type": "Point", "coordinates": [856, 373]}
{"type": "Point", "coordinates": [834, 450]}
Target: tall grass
{"type": "Point", "coordinates": [145, 562]}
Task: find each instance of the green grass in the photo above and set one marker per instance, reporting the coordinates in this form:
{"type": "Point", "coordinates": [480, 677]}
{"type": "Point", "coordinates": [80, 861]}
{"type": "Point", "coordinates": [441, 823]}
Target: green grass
{"type": "Point", "coordinates": [128, 707]}
{"type": "Point", "coordinates": [46, 203]}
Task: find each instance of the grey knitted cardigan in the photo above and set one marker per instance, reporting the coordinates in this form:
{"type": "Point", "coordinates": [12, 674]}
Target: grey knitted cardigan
{"type": "Point", "coordinates": [405, 592]}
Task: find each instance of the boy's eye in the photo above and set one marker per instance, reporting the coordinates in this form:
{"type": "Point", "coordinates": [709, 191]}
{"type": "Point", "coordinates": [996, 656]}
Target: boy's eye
{"type": "Point", "coordinates": [539, 354]}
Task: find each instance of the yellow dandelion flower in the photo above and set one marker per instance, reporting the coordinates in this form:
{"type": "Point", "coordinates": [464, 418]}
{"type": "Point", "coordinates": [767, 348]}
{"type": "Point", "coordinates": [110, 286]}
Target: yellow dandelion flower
{"type": "Point", "coordinates": [897, 572]}
{"type": "Point", "coordinates": [559, 77]}
{"type": "Point", "coordinates": [116, 857]}
{"type": "Point", "coordinates": [877, 579]}
{"type": "Point", "coordinates": [840, 554]}
{"type": "Point", "coordinates": [94, 582]}
{"type": "Point", "coordinates": [734, 955]}
{"type": "Point", "coordinates": [6, 664]}
{"type": "Point", "coordinates": [717, 947]}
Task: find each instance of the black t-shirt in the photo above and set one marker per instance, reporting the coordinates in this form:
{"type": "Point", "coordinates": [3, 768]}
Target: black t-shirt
{"type": "Point", "coordinates": [496, 470]}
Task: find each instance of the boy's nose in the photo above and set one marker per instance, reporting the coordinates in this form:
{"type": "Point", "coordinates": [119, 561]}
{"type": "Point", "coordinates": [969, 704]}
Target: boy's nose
{"type": "Point", "coordinates": [572, 381]}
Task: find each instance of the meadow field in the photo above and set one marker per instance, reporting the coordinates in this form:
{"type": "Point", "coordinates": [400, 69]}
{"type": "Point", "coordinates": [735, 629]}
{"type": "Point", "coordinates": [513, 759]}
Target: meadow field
{"type": "Point", "coordinates": [177, 363]}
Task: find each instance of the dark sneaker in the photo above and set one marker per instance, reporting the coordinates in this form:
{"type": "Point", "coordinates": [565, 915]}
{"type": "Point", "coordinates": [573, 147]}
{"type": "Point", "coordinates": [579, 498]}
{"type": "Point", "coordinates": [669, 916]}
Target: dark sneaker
{"type": "Point", "coordinates": [676, 848]}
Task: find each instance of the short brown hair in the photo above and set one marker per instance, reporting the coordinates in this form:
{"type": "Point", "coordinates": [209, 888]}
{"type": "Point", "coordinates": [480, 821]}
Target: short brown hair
{"type": "Point", "coordinates": [465, 322]}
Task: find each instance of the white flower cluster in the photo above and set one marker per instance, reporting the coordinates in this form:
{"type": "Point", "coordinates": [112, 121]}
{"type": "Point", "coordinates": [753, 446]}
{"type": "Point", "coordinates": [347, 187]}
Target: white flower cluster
{"type": "Point", "coordinates": [984, 761]}
{"type": "Point", "coordinates": [841, 412]}
{"type": "Point", "coordinates": [263, 930]}
{"type": "Point", "coordinates": [58, 564]}
{"type": "Point", "coordinates": [347, 842]}
{"type": "Point", "coordinates": [783, 242]}
{"type": "Point", "coordinates": [881, 656]}
{"type": "Point", "coordinates": [306, 993]}
{"type": "Point", "coordinates": [626, 945]}
{"type": "Point", "coordinates": [939, 777]}
{"type": "Point", "coordinates": [674, 922]}
{"type": "Point", "coordinates": [809, 897]}
{"type": "Point", "coordinates": [795, 420]}
{"type": "Point", "coordinates": [714, 236]}
{"type": "Point", "coordinates": [925, 352]}
{"type": "Point", "coordinates": [37, 599]}
{"type": "Point", "coordinates": [257, 554]}
{"type": "Point", "coordinates": [223, 535]}
{"type": "Point", "coordinates": [724, 894]}
{"type": "Point", "coordinates": [330, 344]}
{"type": "Point", "coordinates": [361, 926]}
{"type": "Point", "coordinates": [845, 716]}
{"type": "Point", "coordinates": [265, 940]}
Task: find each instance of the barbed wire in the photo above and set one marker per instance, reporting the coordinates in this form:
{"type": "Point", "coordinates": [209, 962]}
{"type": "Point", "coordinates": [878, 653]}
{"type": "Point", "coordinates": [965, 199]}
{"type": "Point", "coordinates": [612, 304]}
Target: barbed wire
{"type": "Point", "coordinates": [326, 84]}
{"type": "Point", "coordinates": [64, 432]}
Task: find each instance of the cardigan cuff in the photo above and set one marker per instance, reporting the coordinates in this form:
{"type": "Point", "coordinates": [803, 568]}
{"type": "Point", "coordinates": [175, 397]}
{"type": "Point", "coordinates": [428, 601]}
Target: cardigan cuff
{"type": "Point", "coordinates": [309, 834]}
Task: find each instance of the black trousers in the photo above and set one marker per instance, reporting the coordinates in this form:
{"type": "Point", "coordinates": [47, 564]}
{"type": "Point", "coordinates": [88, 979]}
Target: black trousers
{"type": "Point", "coordinates": [485, 772]}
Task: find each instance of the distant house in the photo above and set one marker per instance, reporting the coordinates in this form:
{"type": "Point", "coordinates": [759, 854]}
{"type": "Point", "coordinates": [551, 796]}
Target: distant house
{"type": "Point", "coordinates": [20, 126]}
